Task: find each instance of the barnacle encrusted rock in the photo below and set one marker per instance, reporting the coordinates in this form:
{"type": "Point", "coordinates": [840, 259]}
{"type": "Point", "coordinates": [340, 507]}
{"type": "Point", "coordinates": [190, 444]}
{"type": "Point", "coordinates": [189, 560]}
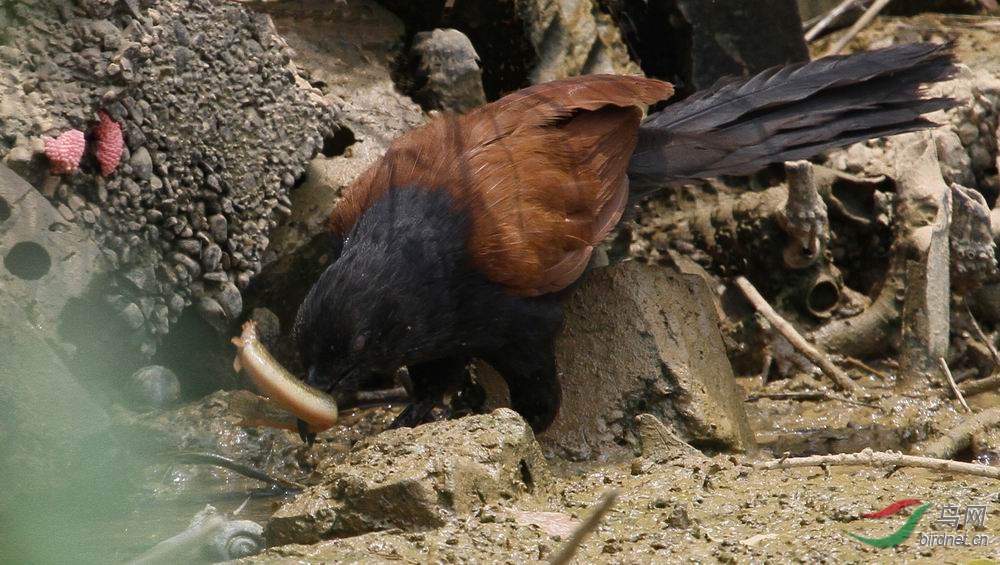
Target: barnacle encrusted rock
{"type": "Point", "coordinates": [217, 129]}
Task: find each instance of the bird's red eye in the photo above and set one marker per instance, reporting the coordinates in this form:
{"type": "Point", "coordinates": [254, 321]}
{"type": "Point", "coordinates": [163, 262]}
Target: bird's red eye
{"type": "Point", "coordinates": [359, 342]}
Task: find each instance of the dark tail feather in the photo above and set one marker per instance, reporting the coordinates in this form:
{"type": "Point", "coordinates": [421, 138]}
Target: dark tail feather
{"type": "Point", "coordinates": [741, 125]}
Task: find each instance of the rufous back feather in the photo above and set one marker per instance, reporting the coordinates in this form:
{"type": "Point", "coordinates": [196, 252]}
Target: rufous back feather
{"type": "Point", "coordinates": [542, 173]}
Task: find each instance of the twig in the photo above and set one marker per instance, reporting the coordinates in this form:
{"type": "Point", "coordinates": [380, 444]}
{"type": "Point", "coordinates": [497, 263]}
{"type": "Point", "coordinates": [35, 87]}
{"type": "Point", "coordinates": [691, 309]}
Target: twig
{"type": "Point", "coordinates": [859, 25]}
{"type": "Point", "coordinates": [237, 467]}
{"type": "Point", "coordinates": [977, 386]}
{"type": "Point", "coordinates": [982, 336]}
{"type": "Point", "coordinates": [866, 367]}
{"type": "Point", "coordinates": [960, 437]}
{"type": "Point", "coordinates": [951, 383]}
{"type": "Point", "coordinates": [370, 398]}
{"type": "Point", "coordinates": [871, 458]}
{"type": "Point", "coordinates": [805, 395]}
{"type": "Point", "coordinates": [829, 18]}
{"type": "Point", "coordinates": [794, 337]}
{"type": "Point", "coordinates": [568, 550]}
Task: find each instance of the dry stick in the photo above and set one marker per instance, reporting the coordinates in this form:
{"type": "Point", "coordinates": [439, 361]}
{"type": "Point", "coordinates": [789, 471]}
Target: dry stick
{"type": "Point", "coordinates": [871, 458]}
{"type": "Point", "coordinates": [237, 467]}
{"type": "Point", "coordinates": [859, 25]}
{"type": "Point", "coordinates": [977, 386]}
{"type": "Point", "coordinates": [960, 437]}
{"type": "Point", "coordinates": [828, 19]}
{"type": "Point", "coordinates": [805, 395]}
{"type": "Point", "coordinates": [568, 550]}
{"type": "Point", "coordinates": [982, 336]}
{"type": "Point", "coordinates": [794, 337]}
{"type": "Point", "coordinates": [951, 383]}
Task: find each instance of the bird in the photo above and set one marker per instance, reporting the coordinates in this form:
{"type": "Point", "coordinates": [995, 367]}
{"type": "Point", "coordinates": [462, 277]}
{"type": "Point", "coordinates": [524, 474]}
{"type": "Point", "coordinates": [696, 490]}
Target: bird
{"type": "Point", "coordinates": [460, 242]}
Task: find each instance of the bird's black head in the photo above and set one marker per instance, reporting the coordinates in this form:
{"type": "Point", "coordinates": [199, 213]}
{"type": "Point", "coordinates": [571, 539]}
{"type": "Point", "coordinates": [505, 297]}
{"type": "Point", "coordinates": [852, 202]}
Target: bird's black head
{"type": "Point", "coordinates": [391, 298]}
{"type": "Point", "coordinates": [355, 324]}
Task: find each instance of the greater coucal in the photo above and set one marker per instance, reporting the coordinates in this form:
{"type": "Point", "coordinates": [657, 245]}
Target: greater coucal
{"type": "Point", "coordinates": [458, 241]}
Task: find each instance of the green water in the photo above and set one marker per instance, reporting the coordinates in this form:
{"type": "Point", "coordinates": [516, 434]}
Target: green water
{"type": "Point", "coordinates": [113, 516]}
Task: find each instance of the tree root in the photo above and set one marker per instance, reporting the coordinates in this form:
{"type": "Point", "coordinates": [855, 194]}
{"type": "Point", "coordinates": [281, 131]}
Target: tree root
{"type": "Point", "coordinates": [960, 437]}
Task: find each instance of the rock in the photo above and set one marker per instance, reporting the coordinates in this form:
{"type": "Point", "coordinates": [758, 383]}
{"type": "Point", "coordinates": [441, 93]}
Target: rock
{"type": "Point", "coordinates": [210, 92]}
{"type": "Point", "coordinates": [474, 541]}
{"type": "Point", "coordinates": [60, 270]}
{"type": "Point", "coordinates": [640, 339]}
{"type": "Point", "coordinates": [154, 386]}
{"type": "Point", "coordinates": [416, 479]}
{"type": "Point", "coordinates": [142, 164]}
{"type": "Point", "coordinates": [447, 61]}
{"type": "Point", "coordinates": [373, 113]}
{"type": "Point", "coordinates": [35, 383]}
{"type": "Point", "coordinates": [692, 43]}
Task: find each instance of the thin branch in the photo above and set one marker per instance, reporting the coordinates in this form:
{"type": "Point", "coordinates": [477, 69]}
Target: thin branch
{"type": "Point", "coordinates": [866, 367]}
{"type": "Point", "coordinates": [568, 550]}
{"type": "Point", "coordinates": [237, 467]}
{"type": "Point", "coordinates": [869, 458]}
{"type": "Point", "coordinates": [829, 18]}
{"type": "Point", "coordinates": [951, 383]}
{"type": "Point", "coordinates": [982, 336]}
{"type": "Point", "coordinates": [960, 437]}
{"type": "Point", "coordinates": [859, 25]}
{"type": "Point", "coordinates": [805, 396]}
{"type": "Point", "coordinates": [786, 329]}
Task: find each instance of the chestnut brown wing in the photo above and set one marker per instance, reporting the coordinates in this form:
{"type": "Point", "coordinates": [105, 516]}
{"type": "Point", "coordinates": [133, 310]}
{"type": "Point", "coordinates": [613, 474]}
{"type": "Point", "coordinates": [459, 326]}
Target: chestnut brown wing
{"type": "Point", "coordinates": [542, 173]}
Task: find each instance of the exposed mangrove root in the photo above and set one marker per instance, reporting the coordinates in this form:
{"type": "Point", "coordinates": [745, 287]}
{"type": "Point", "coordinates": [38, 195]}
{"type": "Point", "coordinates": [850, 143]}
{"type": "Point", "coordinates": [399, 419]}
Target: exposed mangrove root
{"type": "Point", "coordinates": [877, 459]}
{"type": "Point", "coordinates": [960, 437]}
{"type": "Point", "coordinates": [803, 218]}
{"type": "Point", "coordinates": [821, 360]}
{"type": "Point", "coordinates": [568, 550]}
{"type": "Point", "coordinates": [972, 248]}
{"type": "Point", "coordinates": [912, 307]}
{"type": "Point", "coordinates": [979, 386]}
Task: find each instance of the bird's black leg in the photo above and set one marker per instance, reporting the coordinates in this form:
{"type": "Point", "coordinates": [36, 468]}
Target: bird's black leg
{"type": "Point", "coordinates": [527, 363]}
{"type": "Point", "coordinates": [304, 433]}
{"type": "Point", "coordinates": [430, 381]}
{"type": "Point", "coordinates": [530, 373]}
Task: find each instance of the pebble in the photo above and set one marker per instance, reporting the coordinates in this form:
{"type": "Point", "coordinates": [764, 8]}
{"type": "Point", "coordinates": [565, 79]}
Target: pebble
{"type": "Point", "coordinates": [189, 265]}
{"type": "Point", "coordinates": [142, 164]}
{"type": "Point", "coordinates": [66, 213]}
{"type": "Point", "coordinates": [154, 386]}
{"type": "Point", "coordinates": [230, 299]}
{"type": "Point", "coordinates": [218, 227]}
{"type": "Point", "coordinates": [190, 247]}
{"type": "Point", "coordinates": [211, 259]}
{"type": "Point", "coordinates": [132, 316]}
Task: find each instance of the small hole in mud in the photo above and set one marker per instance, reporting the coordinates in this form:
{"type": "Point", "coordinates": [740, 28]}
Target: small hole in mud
{"type": "Point", "coordinates": [823, 298]}
{"type": "Point", "coordinates": [28, 260]}
{"type": "Point", "coordinates": [337, 144]}
{"type": "Point", "coordinates": [4, 210]}
{"type": "Point", "coordinates": [526, 477]}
